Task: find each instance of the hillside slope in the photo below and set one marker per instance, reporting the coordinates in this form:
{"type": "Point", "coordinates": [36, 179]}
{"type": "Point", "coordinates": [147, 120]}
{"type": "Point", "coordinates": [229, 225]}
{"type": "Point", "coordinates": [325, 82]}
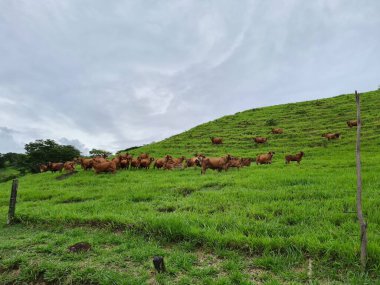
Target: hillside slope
{"type": "Point", "coordinates": [261, 224]}
{"type": "Point", "coordinates": [303, 124]}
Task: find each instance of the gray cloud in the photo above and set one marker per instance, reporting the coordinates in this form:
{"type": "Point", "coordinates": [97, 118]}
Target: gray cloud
{"type": "Point", "coordinates": [7, 142]}
{"type": "Point", "coordinates": [122, 73]}
{"type": "Point", "coordinates": [76, 143]}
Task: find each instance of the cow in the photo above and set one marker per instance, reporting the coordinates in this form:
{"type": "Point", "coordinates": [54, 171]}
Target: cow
{"type": "Point", "coordinates": [260, 140]}
{"type": "Point", "coordinates": [174, 163]}
{"type": "Point", "coordinates": [235, 162]}
{"type": "Point", "coordinates": [194, 161]}
{"type": "Point", "coordinates": [331, 136]}
{"type": "Point", "coordinates": [54, 167]}
{"type": "Point", "coordinates": [265, 158]}
{"type": "Point", "coordinates": [143, 156]}
{"type": "Point", "coordinates": [98, 159]}
{"type": "Point", "coordinates": [216, 140]}
{"type": "Point", "coordinates": [69, 166]}
{"type": "Point", "coordinates": [135, 163]}
{"type": "Point", "coordinates": [246, 161]}
{"type": "Point", "coordinates": [125, 156]}
{"type": "Point", "coordinates": [117, 160]}
{"type": "Point", "coordinates": [86, 163]}
{"type": "Point", "coordinates": [146, 162]}
{"type": "Point", "coordinates": [124, 164]}
{"type": "Point", "coordinates": [105, 166]}
{"type": "Point", "coordinates": [297, 157]}
{"type": "Point", "coordinates": [43, 168]}
{"type": "Point", "coordinates": [178, 160]}
{"type": "Point", "coordinates": [215, 163]}
{"type": "Point", "coordinates": [159, 163]}
{"type": "Point", "coordinates": [171, 164]}
{"type": "Point", "coordinates": [352, 123]}
{"type": "Point", "coordinates": [277, 131]}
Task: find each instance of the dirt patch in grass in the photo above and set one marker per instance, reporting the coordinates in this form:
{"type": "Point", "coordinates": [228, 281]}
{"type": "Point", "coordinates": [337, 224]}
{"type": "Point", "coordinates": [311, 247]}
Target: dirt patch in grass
{"type": "Point", "coordinates": [75, 200]}
{"type": "Point", "coordinates": [168, 209]}
{"type": "Point", "coordinates": [185, 191]}
{"type": "Point", "coordinates": [66, 175]}
{"type": "Point", "coordinates": [213, 186]}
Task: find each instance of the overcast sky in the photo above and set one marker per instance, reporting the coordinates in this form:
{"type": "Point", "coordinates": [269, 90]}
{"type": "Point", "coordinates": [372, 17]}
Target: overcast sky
{"type": "Point", "coordinates": [115, 74]}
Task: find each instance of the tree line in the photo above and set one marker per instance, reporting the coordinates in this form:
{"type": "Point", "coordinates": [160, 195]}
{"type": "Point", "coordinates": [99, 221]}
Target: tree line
{"type": "Point", "coordinates": [37, 152]}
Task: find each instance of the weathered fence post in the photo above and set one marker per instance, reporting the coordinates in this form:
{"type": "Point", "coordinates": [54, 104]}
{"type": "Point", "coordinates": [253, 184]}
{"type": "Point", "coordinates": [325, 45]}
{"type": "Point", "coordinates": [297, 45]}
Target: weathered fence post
{"type": "Point", "coordinates": [363, 225]}
{"type": "Point", "coordinates": [12, 202]}
{"type": "Point", "coordinates": [159, 264]}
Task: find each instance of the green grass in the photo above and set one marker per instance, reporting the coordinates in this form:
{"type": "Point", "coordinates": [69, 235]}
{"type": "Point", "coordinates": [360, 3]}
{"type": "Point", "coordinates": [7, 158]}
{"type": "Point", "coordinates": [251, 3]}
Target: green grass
{"type": "Point", "coordinates": [8, 173]}
{"type": "Point", "coordinates": [262, 224]}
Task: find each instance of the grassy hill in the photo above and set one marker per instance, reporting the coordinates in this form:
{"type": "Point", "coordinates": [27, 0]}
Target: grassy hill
{"type": "Point", "coordinates": [267, 224]}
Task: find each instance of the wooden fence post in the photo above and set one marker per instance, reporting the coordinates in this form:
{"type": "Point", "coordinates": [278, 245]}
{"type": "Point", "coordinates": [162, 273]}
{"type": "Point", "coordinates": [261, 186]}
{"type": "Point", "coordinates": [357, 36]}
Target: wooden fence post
{"type": "Point", "coordinates": [363, 225]}
{"type": "Point", "coordinates": [12, 202]}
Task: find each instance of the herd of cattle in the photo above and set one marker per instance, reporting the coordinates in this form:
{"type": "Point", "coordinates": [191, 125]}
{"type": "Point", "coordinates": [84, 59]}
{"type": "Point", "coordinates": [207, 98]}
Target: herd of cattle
{"type": "Point", "coordinates": [144, 161]}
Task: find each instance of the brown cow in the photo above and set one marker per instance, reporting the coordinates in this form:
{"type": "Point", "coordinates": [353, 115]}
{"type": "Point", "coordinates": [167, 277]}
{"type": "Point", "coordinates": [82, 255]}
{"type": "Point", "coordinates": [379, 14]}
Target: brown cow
{"type": "Point", "coordinates": [143, 156]}
{"type": "Point", "coordinates": [43, 168]}
{"type": "Point", "coordinates": [352, 123]}
{"type": "Point", "coordinates": [174, 163]}
{"type": "Point", "coordinates": [171, 164]}
{"type": "Point", "coordinates": [331, 136]}
{"type": "Point", "coordinates": [69, 166]}
{"type": "Point", "coordinates": [235, 162]}
{"type": "Point", "coordinates": [216, 163]}
{"type": "Point", "coordinates": [146, 162]}
{"type": "Point", "coordinates": [297, 157]}
{"type": "Point", "coordinates": [246, 161]}
{"type": "Point", "coordinates": [117, 161]}
{"type": "Point", "coordinates": [54, 167]}
{"type": "Point", "coordinates": [135, 163]}
{"type": "Point", "coordinates": [98, 159]}
{"type": "Point", "coordinates": [277, 131]}
{"type": "Point", "coordinates": [159, 163]}
{"type": "Point", "coordinates": [194, 161]}
{"type": "Point", "coordinates": [265, 158]}
{"type": "Point", "coordinates": [106, 166]}
{"type": "Point", "coordinates": [124, 163]}
{"type": "Point", "coordinates": [260, 140]}
{"type": "Point", "coordinates": [179, 160]}
{"type": "Point", "coordinates": [216, 140]}
{"type": "Point", "coordinates": [86, 163]}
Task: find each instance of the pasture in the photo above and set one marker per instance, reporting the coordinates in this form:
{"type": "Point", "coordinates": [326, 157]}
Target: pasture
{"type": "Point", "coordinates": [263, 224]}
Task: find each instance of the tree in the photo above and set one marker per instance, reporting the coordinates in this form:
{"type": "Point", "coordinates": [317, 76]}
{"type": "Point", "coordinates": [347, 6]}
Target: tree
{"type": "Point", "coordinates": [2, 161]}
{"type": "Point", "coordinates": [99, 152]}
{"type": "Point", "coordinates": [43, 151]}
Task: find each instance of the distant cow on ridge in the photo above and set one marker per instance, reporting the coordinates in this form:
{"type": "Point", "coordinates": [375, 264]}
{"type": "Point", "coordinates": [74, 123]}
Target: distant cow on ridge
{"type": "Point", "coordinates": [216, 140]}
{"type": "Point", "coordinates": [297, 157]}
{"type": "Point", "coordinates": [352, 123]}
{"type": "Point", "coordinates": [331, 136]}
{"type": "Point", "coordinates": [260, 140]}
{"type": "Point", "coordinates": [265, 158]}
{"type": "Point", "coordinates": [277, 131]}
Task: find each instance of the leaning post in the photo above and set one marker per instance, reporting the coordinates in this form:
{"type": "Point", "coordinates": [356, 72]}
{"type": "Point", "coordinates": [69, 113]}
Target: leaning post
{"type": "Point", "coordinates": [363, 225]}
{"type": "Point", "coordinates": [12, 202]}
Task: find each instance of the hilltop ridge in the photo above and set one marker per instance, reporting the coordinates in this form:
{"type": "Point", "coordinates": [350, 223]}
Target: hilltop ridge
{"type": "Point", "coordinates": [303, 125]}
